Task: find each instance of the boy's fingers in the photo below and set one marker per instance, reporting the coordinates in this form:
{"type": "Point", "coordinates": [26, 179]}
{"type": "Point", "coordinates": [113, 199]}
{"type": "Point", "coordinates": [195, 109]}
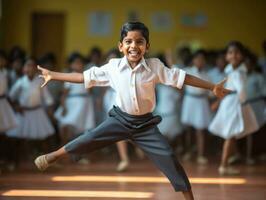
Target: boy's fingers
{"type": "Point", "coordinates": [40, 68]}
{"type": "Point", "coordinates": [45, 82]}
{"type": "Point", "coordinates": [222, 82]}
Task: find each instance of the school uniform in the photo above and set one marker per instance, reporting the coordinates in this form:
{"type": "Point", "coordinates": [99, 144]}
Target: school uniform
{"type": "Point", "coordinates": [33, 122]}
{"type": "Point", "coordinates": [216, 75]}
{"type": "Point", "coordinates": [169, 108]}
{"type": "Point", "coordinates": [7, 116]}
{"type": "Point", "coordinates": [256, 92]}
{"type": "Point", "coordinates": [196, 109]}
{"type": "Point", "coordinates": [79, 106]}
{"type": "Point", "coordinates": [234, 118]}
{"type": "Point", "coordinates": [131, 118]}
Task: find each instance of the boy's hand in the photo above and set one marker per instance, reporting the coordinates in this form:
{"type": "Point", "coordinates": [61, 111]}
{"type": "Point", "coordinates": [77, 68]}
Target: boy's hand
{"type": "Point", "coordinates": [219, 90]}
{"type": "Point", "coordinates": [45, 74]}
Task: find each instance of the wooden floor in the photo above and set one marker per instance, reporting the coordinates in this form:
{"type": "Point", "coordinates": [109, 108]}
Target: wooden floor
{"type": "Point", "coordinates": [99, 181]}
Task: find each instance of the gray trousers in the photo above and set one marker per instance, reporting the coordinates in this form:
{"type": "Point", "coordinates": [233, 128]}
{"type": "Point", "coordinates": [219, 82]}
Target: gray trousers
{"type": "Point", "coordinates": [141, 130]}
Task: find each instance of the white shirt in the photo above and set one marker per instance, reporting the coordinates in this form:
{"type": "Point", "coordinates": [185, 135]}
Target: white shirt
{"type": "Point", "coordinates": [29, 92]}
{"type": "Point", "coordinates": [135, 88]}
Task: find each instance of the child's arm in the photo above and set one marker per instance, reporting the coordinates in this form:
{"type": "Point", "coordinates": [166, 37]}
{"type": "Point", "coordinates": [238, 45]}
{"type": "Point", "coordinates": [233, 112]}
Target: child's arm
{"type": "Point", "coordinates": [218, 89]}
{"type": "Point", "coordinates": [48, 75]}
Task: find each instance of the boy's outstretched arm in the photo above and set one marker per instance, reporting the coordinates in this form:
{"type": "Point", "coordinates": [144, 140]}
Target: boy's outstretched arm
{"type": "Point", "coordinates": [218, 89]}
{"type": "Point", "coordinates": [48, 75]}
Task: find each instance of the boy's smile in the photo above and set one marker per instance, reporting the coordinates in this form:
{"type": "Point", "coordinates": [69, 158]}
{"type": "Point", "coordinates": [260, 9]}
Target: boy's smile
{"type": "Point", "coordinates": [133, 46]}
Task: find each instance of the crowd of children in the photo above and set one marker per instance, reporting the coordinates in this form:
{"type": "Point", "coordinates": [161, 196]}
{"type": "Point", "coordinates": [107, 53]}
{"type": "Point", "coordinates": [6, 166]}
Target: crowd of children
{"type": "Point", "coordinates": [39, 119]}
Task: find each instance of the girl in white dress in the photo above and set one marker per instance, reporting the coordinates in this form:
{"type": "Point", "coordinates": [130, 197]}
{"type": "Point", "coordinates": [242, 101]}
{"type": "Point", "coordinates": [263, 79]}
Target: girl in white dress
{"type": "Point", "coordinates": [171, 125]}
{"type": "Point", "coordinates": [7, 116]}
{"type": "Point", "coordinates": [196, 110]}
{"type": "Point", "coordinates": [256, 92]}
{"type": "Point", "coordinates": [34, 123]}
{"type": "Point", "coordinates": [76, 113]}
{"type": "Point", "coordinates": [233, 118]}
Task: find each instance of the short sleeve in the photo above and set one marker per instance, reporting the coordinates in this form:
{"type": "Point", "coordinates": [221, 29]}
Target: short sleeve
{"type": "Point", "coordinates": [15, 90]}
{"type": "Point", "coordinates": [97, 76]}
{"type": "Point", "coordinates": [173, 77]}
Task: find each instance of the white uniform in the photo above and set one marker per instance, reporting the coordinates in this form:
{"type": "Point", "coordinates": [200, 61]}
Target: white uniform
{"type": "Point", "coordinates": [33, 123]}
{"type": "Point", "coordinates": [196, 109]}
{"type": "Point", "coordinates": [79, 106]}
{"type": "Point", "coordinates": [216, 75]}
{"type": "Point", "coordinates": [234, 119]}
{"type": "Point", "coordinates": [7, 116]}
{"type": "Point", "coordinates": [169, 108]}
{"type": "Point", "coordinates": [256, 90]}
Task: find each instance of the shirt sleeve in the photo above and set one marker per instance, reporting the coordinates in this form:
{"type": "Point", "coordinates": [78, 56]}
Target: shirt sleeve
{"type": "Point", "coordinates": [15, 90]}
{"type": "Point", "coordinates": [97, 76]}
{"type": "Point", "coordinates": [173, 77]}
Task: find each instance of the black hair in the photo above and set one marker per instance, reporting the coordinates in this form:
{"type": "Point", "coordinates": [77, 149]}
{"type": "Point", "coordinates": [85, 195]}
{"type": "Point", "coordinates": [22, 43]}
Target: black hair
{"type": "Point", "coordinates": [134, 26]}
{"type": "Point", "coordinates": [47, 58]}
{"type": "Point", "coordinates": [3, 54]}
{"type": "Point", "coordinates": [114, 51]}
{"type": "Point", "coordinates": [237, 45]}
{"type": "Point", "coordinates": [73, 56]}
{"type": "Point", "coordinates": [200, 52]}
{"type": "Point", "coordinates": [96, 50]}
{"type": "Point", "coordinates": [16, 53]}
{"type": "Point", "coordinates": [162, 58]}
{"type": "Point", "coordinates": [29, 58]}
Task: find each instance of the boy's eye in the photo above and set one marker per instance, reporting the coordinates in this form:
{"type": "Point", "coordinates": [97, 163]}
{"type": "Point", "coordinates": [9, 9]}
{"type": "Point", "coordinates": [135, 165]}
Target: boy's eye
{"type": "Point", "coordinates": [127, 41]}
{"type": "Point", "coordinates": [140, 42]}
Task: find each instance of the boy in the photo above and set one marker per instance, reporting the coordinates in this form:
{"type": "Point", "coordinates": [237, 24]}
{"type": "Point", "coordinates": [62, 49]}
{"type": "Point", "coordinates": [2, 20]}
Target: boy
{"type": "Point", "coordinates": [134, 79]}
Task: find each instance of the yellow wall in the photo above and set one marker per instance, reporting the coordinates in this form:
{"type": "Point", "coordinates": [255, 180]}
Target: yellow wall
{"type": "Point", "coordinates": [235, 19]}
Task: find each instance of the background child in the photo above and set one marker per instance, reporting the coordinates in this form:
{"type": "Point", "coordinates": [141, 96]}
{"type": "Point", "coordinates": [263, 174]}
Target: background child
{"type": "Point", "coordinates": [170, 111]}
{"type": "Point", "coordinates": [34, 124]}
{"type": "Point", "coordinates": [76, 113]}
{"type": "Point", "coordinates": [233, 120]}
{"type": "Point", "coordinates": [7, 116]}
{"type": "Point", "coordinates": [195, 109]}
{"type": "Point", "coordinates": [256, 91]}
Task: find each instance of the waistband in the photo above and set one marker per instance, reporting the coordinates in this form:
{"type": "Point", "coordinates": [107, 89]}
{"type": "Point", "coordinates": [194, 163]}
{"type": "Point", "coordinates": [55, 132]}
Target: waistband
{"type": "Point", "coordinates": [196, 95]}
{"type": "Point", "coordinates": [77, 95]}
{"type": "Point", "coordinates": [3, 96]}
{"type": "Point", "coordinates": [31, 108]}
{"type": "Point", "coordinates": [135, 121]}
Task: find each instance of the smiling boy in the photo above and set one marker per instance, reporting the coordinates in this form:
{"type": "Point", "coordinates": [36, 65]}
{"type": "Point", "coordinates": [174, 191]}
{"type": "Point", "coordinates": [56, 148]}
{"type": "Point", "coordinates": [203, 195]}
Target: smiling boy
{"type": "Point", "coordinates": [134, 79]}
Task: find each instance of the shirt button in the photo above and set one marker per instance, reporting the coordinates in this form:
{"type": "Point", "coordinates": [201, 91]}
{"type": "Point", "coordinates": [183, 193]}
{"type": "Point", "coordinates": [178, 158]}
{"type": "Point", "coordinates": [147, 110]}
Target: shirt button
{"type": "Point", "coordinates": [134, 98]}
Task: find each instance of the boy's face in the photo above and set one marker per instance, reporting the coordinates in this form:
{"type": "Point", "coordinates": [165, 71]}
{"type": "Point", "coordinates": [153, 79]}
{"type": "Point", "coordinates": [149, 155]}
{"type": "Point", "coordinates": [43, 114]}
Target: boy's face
{"type": "Point", "coordinates": [133, 46]}
{"type": "Point", "coordinates": [234, 56]}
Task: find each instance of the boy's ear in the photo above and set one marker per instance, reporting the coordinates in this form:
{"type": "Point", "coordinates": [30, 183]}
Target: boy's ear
{"type": "Point", "coordinates": [147, 47]}
{"type": "Point", "coordinates": [120, 46]}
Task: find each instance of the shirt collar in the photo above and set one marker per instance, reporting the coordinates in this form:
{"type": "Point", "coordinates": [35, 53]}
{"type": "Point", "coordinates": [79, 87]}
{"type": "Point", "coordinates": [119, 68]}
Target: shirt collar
{"type": "Point", "coordinates": [124, 63]}
{"type": "Point", "coordinates": [229, 68]}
